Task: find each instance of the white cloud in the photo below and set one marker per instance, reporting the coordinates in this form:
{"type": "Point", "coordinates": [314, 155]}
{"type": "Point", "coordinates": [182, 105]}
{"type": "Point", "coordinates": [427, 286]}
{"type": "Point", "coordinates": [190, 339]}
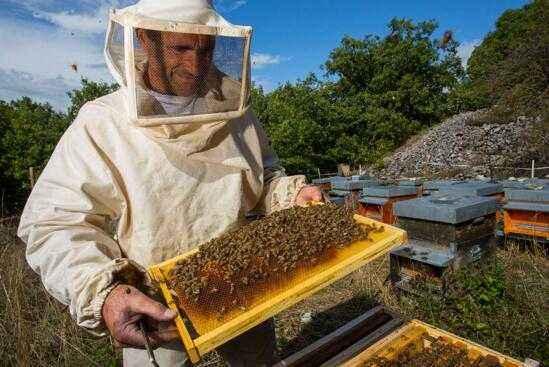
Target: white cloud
{"type": "Point", "coordinates": [466, 49]}
{"type": "Point", "coordinates": [36, 61]}
{"type": "Point", "coordinates": [88, 23]}
{"type": "Point", "coordinates": [260, 60]}
{"type": "Point", "coordinates": [266, 83]}
{"type": "Point", "coordinates": [230, 5]}
{"type": "Point", "coordinates": [51, 90]}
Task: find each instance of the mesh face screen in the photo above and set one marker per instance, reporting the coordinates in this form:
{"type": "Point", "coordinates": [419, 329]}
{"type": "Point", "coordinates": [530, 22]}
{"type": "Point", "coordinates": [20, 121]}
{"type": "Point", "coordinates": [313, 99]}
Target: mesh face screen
{"type": "Point", "coordinates": [115, 49]}
{"type": "Point", "coordinates": [185, 74]}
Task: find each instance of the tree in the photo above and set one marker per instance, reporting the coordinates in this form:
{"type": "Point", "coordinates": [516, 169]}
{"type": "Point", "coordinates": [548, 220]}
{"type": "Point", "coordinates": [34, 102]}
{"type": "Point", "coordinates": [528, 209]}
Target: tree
{"type": "Point", "coordinates": [510, 68]}
{"type": "Point", "coordinates": [30, 133]}
{"type": "Point", "coordinates": [378, 92]}
{"type": "Point", "coordinates": [88, 92]}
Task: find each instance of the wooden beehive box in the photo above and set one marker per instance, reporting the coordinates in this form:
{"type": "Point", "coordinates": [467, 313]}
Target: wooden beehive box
{"type": "Point", "coordinates": [378, 202]}
{"type": "Point", "coordinates": [419, 335]}
{"type": "Point", "coordinates": [201, 334]}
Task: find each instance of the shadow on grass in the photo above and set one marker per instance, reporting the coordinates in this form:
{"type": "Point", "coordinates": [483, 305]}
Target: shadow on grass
{"type": "Point", "coordinates": [326, 322]}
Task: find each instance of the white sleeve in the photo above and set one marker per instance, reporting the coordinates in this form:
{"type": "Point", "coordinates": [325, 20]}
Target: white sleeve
{"type": "Point", "coordinates": [64, 225]}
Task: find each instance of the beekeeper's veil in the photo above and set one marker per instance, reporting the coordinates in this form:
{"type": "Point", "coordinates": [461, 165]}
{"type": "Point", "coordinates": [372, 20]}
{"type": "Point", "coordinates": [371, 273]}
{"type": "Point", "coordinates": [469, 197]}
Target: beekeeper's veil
{"type": "Point", "coordinates": [180, 62]}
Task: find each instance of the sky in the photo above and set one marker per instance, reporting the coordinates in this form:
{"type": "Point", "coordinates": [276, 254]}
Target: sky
{"type": "Point", "coordinates": [43, 38]}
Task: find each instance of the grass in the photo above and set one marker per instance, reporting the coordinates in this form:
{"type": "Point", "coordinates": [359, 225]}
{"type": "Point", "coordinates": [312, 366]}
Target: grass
{"type": "Point", "coordinates": [35, 329]}
{"type": "Point", "coordinates": [501, 302]}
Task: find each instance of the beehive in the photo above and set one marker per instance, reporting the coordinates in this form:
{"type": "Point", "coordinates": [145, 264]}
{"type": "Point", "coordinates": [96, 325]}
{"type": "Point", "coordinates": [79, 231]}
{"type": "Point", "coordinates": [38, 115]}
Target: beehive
{"type": "Point", "coordinates": [351, 189]}
{"type": "Point", "coordinates": [418, 336]}
{"type": "Point", "coordinates": [417, 183]}
{"type": "Point", "coordinates": [445, 232]}
{"type": "Point", "coordinates": [324, 183]}
{"type": "Point", "coordinates": [527, 213]}
{"type": "Point", "coordinates": [377, 202]}
{"type": "Point", "coordinates": [202, 333]}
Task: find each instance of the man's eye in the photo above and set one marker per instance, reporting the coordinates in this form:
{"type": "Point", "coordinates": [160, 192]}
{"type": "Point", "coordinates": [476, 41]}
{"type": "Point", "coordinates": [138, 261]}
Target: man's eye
{"type": "Point", "coordinates": [180, 49]}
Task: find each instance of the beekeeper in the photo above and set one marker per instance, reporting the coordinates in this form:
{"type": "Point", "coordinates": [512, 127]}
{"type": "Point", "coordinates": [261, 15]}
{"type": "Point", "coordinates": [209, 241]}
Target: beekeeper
{"type": "Point", "coordinates": [172, 159]}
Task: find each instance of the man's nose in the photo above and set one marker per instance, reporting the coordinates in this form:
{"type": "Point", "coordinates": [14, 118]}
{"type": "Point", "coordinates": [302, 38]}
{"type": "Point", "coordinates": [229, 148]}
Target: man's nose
{"type": "Point", "coordinates": [196, 63]}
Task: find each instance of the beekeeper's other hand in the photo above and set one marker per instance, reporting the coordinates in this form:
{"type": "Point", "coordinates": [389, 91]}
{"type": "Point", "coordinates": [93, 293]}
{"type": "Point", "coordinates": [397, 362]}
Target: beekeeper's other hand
{"type": "Point", "coordinates": [125, 306]}
{"type": "Point", "coordinates": [309, 194]}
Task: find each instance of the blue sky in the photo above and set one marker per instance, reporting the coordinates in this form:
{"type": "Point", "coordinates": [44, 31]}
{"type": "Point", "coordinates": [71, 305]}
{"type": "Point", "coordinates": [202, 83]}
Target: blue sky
{"type": "Point", "coordinates": [291, 38]}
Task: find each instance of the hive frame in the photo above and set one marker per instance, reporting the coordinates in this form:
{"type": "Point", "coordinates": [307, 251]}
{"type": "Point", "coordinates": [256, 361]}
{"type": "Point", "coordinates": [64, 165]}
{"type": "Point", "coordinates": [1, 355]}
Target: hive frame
{"type": "Point", "coordinates": [197, 347]}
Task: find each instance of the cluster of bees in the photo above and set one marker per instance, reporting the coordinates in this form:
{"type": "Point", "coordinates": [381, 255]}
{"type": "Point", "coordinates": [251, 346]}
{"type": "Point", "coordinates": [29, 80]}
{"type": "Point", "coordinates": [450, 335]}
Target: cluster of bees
{"type": "Point", "coordinates": [225, 269]}
{"type": "Point", "coordinates": [438, 354]}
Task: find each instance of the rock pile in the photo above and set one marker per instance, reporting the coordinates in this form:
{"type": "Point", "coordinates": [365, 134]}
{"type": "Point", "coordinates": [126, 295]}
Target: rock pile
{"type": "Point", "coordinates": [460, 148]}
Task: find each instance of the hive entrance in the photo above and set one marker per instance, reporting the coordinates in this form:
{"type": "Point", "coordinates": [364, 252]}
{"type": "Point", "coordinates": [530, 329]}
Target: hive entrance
{"type": "Point", "coordinates": [238, 270]}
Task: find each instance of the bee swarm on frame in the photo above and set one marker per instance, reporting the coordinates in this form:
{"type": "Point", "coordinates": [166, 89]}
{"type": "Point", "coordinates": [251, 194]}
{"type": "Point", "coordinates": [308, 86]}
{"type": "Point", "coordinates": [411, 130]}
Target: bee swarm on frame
{"type": "Point", "coordinates": [226, 268]}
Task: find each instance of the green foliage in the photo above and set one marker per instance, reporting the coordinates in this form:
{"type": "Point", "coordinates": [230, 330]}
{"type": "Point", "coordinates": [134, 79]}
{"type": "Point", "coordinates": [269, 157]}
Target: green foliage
{"type": "Point", "coordinates": [30, 133]}
{"type": "Point", "coordinates": [509, 70]}
{"type": "Point", "coordinates": [378, 92]}
{"type": "Point", "coordinates": [88, 92]}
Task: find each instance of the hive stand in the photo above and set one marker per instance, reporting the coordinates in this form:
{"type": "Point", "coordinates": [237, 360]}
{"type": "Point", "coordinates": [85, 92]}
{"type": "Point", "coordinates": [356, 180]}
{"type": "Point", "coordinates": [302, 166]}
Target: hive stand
{"type": "Point", "coordinates": [445, 232]}
{"type": "Point", "coordinates": [378, 202]}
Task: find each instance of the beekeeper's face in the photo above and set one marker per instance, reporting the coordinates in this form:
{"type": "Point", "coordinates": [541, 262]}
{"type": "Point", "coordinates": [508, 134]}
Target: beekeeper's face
{"type": "Point", "coordinates": [178, 63]}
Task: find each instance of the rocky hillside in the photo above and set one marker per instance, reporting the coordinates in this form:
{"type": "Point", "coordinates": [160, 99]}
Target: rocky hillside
{"type": "Point", "coordinates": [460, 147]}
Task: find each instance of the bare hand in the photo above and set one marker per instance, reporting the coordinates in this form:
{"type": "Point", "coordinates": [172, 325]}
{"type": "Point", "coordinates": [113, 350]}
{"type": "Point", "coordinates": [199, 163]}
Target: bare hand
{"type": "Point", "coordinates": [122, 311]}
{"type": "Point", "coordinates": [309, 194]}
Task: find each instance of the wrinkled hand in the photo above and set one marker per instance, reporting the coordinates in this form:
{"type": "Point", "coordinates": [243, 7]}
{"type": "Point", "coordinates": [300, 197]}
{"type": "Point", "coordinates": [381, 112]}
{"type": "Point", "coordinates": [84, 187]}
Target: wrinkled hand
{"type": "Point", "coordinates": [122, 311]}
{"type": "Point", "coordinates": [308, 194]}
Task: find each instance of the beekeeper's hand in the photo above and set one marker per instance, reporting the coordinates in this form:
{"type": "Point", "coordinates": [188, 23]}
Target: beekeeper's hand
{"type": "Point", "coordinates": [309, 194]}
{"type": "Point", "coordinates": [125, 306]}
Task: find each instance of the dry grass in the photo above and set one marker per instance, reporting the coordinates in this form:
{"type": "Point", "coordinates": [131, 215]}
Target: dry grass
{"type": "Point", "coordinates": [502, 303]}
{"type": "Point", "coordinates": [35, 329]}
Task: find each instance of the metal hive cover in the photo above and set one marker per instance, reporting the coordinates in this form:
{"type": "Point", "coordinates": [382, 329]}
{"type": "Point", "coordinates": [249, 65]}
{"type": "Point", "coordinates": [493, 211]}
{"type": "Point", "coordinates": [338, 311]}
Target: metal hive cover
{"type": "Point", "coordinates": [446, 209]}
{"type": "Point", "coordinates": [390, 191]}
{"type": "Point", "coordinates": [534, 196]}
{"type": "Point", "coordinates": [338, 178]}
{"type": "Point", "coordinates": [473, 188]}
{"type": "Point", "coordinates": [410, 182]}
{"type": "Point", "coordinates": [374, 200]}
{"type": "Point", "coordinates": [437, 184]}
{"type": "Point", "coordinates": [352, 185]}
{"type": "Point", "coordinates": [320, 181]}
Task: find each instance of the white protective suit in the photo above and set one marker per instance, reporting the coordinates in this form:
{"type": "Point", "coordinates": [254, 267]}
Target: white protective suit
{"type": "Point", "coordinates": [118, 196]}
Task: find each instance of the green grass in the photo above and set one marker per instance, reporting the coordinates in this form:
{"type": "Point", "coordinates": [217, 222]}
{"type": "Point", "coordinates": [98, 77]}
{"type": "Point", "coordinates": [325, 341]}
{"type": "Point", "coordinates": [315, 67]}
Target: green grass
{"type": "Point", "coordinates": [502, 303]}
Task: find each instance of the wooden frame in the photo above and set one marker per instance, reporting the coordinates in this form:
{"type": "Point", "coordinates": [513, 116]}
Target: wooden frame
{"type": "Point", "coordinates": [413, 333]}
{"type": "Point", "coordinates": [381, 243]}
{"type": "Point", "coordinates": [347, 341]}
